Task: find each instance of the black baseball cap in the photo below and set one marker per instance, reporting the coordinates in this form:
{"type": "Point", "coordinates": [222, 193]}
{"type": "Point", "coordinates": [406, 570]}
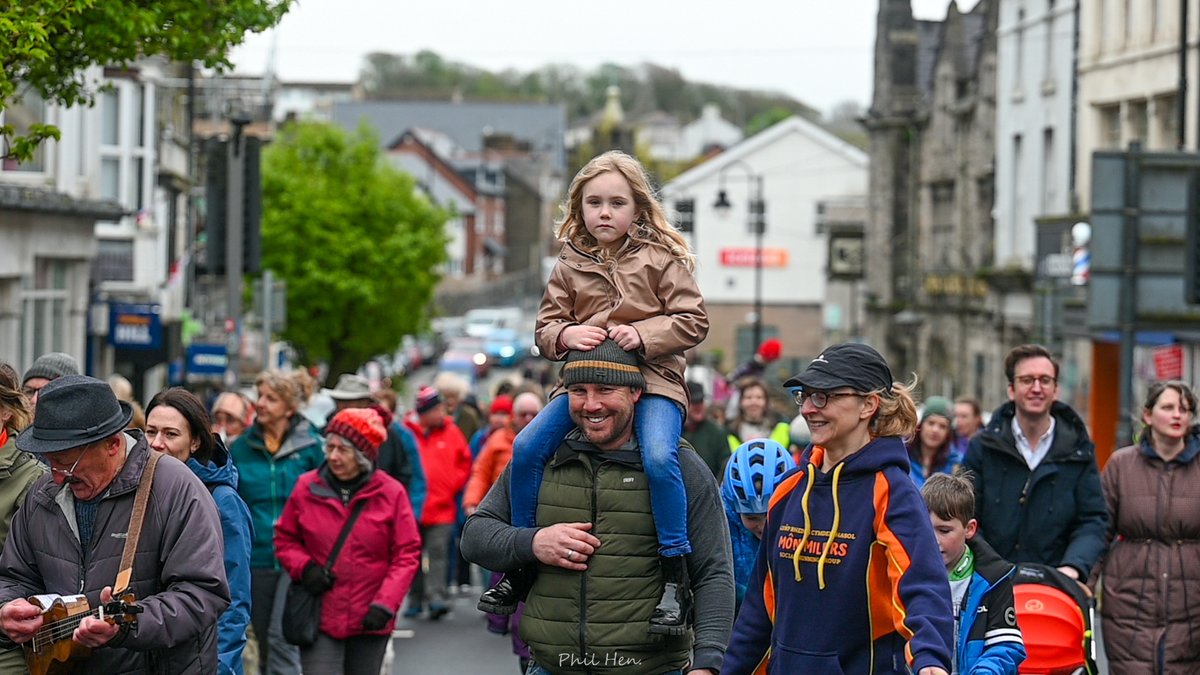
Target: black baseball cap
{"type": "Point", "coordinates": [850, 364]}
{"type": "Point", "coordinates": [695, 391]}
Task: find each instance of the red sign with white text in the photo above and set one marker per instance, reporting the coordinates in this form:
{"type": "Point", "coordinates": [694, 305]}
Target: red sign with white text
{"type": "Point", "coordinates": [1168, 362]}
{"type": "Point", "coordinates": [744, 257]}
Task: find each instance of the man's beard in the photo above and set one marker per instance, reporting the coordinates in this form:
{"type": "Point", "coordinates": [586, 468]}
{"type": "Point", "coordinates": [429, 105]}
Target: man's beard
{"type": "Point", "coordinates": [619, 423]}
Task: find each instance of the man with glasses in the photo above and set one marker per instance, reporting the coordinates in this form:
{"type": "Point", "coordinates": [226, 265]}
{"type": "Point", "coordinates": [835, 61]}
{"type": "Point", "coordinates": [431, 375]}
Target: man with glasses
{"type": "Point", "coordinates": [45, 369]}
{"type": "Point", "coordinates": [84, 505]}
{"type": "Point", "coordinates": [1037, 486]}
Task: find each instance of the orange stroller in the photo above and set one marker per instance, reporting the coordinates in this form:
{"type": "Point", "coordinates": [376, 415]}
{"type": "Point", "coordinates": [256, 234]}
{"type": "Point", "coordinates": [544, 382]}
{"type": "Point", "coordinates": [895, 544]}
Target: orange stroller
{"type": "Point", "coordinates": [1056, 619]}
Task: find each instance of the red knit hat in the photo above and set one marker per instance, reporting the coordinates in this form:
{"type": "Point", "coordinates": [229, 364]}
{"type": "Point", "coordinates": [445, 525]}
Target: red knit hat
{"type": "Point", "coordinates": [770, 349]}
{"type": "Point", "coordinates": [502, 404]}
{"type": "Point", "coordinates": [362, 427]}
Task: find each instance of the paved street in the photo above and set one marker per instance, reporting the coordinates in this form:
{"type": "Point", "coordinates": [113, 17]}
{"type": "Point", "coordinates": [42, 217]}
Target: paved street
{"type": "Point", "coordinates": [459, 643]}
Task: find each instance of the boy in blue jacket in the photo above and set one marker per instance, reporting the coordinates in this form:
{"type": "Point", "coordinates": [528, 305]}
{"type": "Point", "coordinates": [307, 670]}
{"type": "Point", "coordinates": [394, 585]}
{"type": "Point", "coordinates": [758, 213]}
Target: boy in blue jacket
{"type": "Point", "coordinates": [987, 638]}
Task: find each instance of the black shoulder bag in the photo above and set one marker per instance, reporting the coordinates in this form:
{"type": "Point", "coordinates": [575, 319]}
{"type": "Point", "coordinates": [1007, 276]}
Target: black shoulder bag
{"type": "Point", "coordinates": [302, 610]}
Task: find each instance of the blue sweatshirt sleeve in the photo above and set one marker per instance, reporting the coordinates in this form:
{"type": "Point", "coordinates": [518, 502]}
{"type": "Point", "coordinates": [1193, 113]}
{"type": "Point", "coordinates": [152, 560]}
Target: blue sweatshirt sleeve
{"type": "Point", "coordinates": [920, 589]}
{"type": "Point", "coordinates": [416, 490]}
{"type": "Point", "coordinates": [238, 533]}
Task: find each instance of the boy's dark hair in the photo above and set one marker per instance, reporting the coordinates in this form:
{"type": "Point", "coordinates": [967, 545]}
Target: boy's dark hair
{"type": "Point", "coordinates": [973, 402]}
{"type": "Point", "coordinates": [950, 497]}
{"type": "Point", "coordinates": [1022, 352]}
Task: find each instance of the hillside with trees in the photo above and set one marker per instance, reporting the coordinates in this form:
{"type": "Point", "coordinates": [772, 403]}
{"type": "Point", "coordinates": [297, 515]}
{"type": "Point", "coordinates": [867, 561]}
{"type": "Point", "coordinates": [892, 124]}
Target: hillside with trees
{"type": "Point", "coordinates": [644, 89]}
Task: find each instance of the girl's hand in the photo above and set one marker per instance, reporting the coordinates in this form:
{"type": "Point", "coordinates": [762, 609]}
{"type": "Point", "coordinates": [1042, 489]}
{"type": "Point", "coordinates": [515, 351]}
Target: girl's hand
{"type": "Point", "coordinates": [582, 338]}
{"type": "Point", "coordinates": [626, 337]}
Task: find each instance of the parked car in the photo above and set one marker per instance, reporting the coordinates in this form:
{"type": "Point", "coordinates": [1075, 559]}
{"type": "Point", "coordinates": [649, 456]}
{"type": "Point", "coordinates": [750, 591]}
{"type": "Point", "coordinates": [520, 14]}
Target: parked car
{"type": "Point", "coordinates": [505, 347]}
{"type": "Point", "coordinates": [465, 354]}
{"type": "Point", "coordinates": [481, 322]}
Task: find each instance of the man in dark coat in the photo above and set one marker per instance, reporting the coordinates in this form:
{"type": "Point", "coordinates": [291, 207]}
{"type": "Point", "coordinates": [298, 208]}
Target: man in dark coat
{"type": "Point", "coordinates": [1037, 486]}
{"type": "Point", "coordinates": [68, 538]}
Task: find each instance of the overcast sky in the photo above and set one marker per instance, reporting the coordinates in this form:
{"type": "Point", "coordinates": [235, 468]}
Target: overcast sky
{"type": "Point", "coordinates": [818, 51]}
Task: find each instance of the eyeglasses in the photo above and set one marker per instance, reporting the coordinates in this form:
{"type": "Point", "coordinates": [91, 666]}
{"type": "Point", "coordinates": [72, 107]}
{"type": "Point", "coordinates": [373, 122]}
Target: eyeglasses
{"type": "Point", "coordinates": [1027, 381]}
{"type": "Point", "coordinates": [819, 399]}
{"type": "Point", "coordinates": [70, 473]}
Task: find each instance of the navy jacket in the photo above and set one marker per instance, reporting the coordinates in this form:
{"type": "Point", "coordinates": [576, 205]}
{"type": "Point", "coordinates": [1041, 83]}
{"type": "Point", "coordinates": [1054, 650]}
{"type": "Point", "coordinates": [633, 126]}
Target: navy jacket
{"type": "Point", "coordinates": [221, 478]}
{"type": "Point", "coordinates": [1054, 515]}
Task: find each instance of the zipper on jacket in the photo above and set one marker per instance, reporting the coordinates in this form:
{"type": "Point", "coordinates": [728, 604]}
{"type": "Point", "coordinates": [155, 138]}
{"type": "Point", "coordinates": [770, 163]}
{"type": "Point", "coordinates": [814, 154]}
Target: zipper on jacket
{"type": "Point", "coordinates": [583, 581]}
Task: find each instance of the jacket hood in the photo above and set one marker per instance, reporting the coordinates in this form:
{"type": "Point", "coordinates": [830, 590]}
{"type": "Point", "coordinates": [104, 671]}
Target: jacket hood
{"type": "Point", "coordinates": [219, 470]}
{"type": "Point", "coordinates": [1071, 439]}
{"type": "Point", "coordinates": [301, 434]}
{"type": "Point", "coordinates": [1190, 450]}
{"type": "Point", "coordinates": [879, 454]}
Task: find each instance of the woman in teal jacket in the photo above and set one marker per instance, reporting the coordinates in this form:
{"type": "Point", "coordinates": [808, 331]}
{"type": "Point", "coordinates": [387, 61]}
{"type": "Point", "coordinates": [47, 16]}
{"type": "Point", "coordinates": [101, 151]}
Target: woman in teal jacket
{"type": "Point", "coordinates": [270, 457]}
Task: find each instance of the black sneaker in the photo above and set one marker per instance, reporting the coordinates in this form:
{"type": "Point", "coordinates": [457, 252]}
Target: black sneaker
{"type": "Point", "coordinates": [436, 612]}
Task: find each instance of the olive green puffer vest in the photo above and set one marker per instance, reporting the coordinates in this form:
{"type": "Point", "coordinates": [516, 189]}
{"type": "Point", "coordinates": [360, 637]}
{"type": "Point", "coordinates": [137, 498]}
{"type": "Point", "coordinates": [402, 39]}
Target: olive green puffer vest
{"type": "Point", "coordinates": [596, 621]}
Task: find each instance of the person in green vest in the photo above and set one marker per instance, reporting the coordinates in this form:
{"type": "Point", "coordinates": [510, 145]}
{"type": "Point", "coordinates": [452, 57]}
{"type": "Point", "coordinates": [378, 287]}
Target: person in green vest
{"type": "Point", "coordinates": [595, 546]}
{"type": "Point", "coordinates": [755, 418]}
{"type": "Point", "coordinates": [705, 435]}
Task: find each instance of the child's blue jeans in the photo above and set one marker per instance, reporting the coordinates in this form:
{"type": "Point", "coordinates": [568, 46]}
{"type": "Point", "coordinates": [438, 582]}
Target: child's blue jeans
{"type": "Point", "coordinates": [657, 421]}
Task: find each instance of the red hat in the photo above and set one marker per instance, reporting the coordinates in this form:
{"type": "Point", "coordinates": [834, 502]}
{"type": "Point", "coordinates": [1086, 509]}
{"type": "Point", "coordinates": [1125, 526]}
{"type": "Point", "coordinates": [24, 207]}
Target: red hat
{"type": "Point", "coordinates": [362, 427]}
{"type": "Point", "coordinates": [502, 404]}
{"type": "Point", "coordinates": [770, 349]}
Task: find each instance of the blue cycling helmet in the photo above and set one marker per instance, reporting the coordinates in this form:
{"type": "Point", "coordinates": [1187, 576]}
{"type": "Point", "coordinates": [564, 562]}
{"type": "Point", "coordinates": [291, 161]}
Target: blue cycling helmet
{"type": "Point", "coordinates": [753, 472]}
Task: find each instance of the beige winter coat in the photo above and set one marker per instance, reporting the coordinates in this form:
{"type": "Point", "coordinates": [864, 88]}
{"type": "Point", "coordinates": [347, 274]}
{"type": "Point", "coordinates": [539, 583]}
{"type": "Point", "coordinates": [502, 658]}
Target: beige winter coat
{"type": "Point", "coordinates": [1151, 573]}
{"type": "Point", "coordinates": [650, 290]}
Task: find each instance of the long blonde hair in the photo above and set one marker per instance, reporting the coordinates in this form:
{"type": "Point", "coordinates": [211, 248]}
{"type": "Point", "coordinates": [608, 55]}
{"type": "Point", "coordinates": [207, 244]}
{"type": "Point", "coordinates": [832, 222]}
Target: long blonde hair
{"type": "Point", "coordinates": [651, 226]}
{"type": "Point", "coordinates": [897, 414]}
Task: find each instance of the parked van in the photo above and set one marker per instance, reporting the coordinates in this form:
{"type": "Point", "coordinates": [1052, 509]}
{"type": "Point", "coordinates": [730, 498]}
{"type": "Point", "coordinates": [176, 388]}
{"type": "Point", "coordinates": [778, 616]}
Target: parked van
{"type": "Point", "coordinates": [481, 322]}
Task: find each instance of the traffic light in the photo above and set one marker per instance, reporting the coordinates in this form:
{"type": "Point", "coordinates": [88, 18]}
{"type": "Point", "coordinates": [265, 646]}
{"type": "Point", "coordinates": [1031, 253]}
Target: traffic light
{"type": "Point", "coordinates": [216, 195]}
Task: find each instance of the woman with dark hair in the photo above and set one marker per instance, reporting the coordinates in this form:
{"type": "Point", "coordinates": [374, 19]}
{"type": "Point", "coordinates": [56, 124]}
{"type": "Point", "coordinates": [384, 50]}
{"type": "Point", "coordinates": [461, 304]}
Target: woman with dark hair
{"type": "Point", "coordinates": [177, 424]}
{"type": "Point", "coordinates": [18, 471]}
{"type": "Point", "coordinates": [1153, 561]}
{"type": "Point", "coordinates": [932, 448]}
{"type": "Point", "coordinates": [755, 418]}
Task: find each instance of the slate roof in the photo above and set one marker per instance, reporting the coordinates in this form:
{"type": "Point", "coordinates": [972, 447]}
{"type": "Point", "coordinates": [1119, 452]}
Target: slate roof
{"type": "Point", "coordinates": [542, 124]}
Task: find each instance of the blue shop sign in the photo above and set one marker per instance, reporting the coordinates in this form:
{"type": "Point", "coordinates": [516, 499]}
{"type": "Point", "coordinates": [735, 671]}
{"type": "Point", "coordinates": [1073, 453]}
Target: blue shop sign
{"type": "Point", "coordinates": [206, 360]}
{"type": "Point", "coordinates": [135, 327]}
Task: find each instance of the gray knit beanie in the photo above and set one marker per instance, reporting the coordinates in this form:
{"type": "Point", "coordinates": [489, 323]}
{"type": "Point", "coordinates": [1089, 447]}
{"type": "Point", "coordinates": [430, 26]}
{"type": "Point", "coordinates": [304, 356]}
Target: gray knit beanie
{"type": "Point", "coordinates": [52, 366]}
{"type": "Point", "coordinates": [606, 364]}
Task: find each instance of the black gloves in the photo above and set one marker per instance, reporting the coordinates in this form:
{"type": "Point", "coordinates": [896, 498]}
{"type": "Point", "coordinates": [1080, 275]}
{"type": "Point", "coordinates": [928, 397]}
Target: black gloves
{"type": "Point", "coordinates": [316, 579]}
{"type": "Point", "coordinates": [377, 617]}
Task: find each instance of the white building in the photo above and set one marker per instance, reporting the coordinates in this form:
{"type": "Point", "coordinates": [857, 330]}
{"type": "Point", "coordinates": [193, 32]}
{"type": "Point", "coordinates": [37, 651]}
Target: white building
{"type": "Point", "coordinates": [709, 131]}
{"type": "Point", "coordinates": [1129, 79]}
{"type": "Point", "coordinates": [799, 165]}
{"type": "Point", "coordinates": [1034, 97]}
{"type": "Point", "coordinates": [124, 161]}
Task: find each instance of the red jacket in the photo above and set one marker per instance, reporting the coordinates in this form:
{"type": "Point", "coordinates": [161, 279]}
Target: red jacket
{"type": "Point", "coordinates": [446, 460]}
{"type": "Point", "coordinates": [378, 561]}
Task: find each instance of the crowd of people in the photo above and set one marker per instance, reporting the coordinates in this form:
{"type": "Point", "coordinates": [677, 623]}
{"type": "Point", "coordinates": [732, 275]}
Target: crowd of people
{"type": "Point", "coordinates": [630, 522]}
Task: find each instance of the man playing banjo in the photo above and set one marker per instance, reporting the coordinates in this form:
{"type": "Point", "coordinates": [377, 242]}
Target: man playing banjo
{"type": "Point", "coordinates": [69, 535]}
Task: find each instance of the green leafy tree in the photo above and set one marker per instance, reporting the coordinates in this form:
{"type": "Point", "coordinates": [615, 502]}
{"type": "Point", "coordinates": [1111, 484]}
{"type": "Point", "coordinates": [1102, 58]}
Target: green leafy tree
{"type": "Point", "coordinates": [46, 45]}
{"type": "Point", "coordinates": [358, 245]}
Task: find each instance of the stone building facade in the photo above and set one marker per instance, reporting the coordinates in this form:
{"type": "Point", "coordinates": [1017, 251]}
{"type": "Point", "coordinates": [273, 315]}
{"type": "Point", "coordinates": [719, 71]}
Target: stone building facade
{"type": "Point", "coordinates": [934, 292]}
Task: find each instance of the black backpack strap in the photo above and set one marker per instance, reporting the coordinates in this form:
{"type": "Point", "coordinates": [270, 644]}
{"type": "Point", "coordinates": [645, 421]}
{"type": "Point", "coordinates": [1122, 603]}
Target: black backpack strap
{"type": "Point", "coordinates": [337, 547]}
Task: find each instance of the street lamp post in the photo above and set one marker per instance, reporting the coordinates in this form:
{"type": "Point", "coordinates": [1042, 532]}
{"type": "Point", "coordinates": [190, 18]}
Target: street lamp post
{"type": "Point", "coordinates": [756, 212]}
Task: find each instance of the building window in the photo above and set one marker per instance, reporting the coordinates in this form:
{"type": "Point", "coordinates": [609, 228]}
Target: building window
{"type": "Point", "coordinates": [110, 113]}
{"type": "Point", "coordinates": [44, 298]}
{"type": "Point", "coordinates": [1019, 70]}
{"type": "Point", "coordinates": [1110, 126]}
{"type": "Point", "coordinates": [110, 178]}
{"type": "Point", "coordinates": [1167, 119]}
{"type": "Point", "coordinates": [21, 114]}
{"type": "Point", "coordinates": [114, 260]}
{"type": "Point", "coordinates": [1139, 122]}
{"type": "Point", "coordinates": [1051, 38]}
{"type": "Point", "coordinates": [1128, 23]}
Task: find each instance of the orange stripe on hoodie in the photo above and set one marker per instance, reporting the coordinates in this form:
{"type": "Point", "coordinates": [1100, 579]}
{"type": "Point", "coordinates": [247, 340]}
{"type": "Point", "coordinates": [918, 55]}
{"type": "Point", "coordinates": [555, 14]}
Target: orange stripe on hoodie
{"type": "Point", "coordinates": [886, 570]}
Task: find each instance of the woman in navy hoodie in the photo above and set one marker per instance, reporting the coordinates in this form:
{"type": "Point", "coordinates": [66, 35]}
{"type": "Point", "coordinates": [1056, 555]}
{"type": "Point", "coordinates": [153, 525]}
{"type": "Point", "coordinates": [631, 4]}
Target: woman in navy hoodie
{"type": "Point", "coordinates": [178, 424]}
{"type": "Point", "coordinates": [849, 578]}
